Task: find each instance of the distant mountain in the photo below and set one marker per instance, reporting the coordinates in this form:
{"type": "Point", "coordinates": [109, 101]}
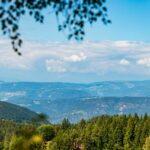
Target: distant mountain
{"type": "Point", "coordinates": [76, 101]}
{"type": "Point", "coordinates": [14, 112]}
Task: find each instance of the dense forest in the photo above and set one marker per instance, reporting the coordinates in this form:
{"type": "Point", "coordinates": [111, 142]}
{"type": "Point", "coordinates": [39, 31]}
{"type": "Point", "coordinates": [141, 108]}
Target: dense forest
{"type": "Point", "coordinates": [118, 132]}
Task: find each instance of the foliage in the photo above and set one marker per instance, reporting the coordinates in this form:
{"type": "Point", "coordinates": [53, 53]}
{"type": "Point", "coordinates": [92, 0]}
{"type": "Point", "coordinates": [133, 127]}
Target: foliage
{"type": "Point", "coordinates": [125, 132]}
{"type": "Point", "coordinates": [66, 124]}
{"type": "Point", "coordinates": [147, 144]}
{"type": "Point", "coordinates": [26, 139]}
{"type": "Point", "coordinates": [73, 15]}
{"type": "Point", "coordinates": [47, 132]}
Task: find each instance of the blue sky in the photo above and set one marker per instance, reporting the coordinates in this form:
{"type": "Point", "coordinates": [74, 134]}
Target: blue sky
{"type": "Point", "coordinates": [119, 51]}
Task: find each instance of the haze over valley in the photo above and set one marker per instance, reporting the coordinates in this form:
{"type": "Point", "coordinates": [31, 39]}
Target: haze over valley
{"type": "Point", "coordinates": [76, 101]}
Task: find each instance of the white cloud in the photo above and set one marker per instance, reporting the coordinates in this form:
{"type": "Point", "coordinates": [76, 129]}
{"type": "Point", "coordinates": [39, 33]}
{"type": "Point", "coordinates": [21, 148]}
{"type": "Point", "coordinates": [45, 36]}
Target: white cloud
{"type": "Point", "coordinates": [104, 57]}
{"type": "Point", "coordinates": [76, 58]}
{"type": "Point", "coordinates": [144, 61]}
{"type": "Point", "coordinates": [124, 44]}
{"type": "Point", "coordinates": [124, 62]}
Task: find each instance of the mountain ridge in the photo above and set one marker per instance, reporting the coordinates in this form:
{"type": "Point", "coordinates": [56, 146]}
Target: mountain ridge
{"type": "Point", "coordinates": [14, 112]}
{"type": "Point", "coordinates": [69, 100]}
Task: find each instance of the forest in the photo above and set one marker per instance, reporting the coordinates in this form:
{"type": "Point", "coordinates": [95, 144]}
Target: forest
{"type": "Point", "coordinates": [117, 132]}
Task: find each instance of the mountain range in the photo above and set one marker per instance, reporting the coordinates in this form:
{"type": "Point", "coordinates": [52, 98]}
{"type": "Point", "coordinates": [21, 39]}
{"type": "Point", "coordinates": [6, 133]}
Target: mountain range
{"type": "Point", "coordinates": [75, 101]}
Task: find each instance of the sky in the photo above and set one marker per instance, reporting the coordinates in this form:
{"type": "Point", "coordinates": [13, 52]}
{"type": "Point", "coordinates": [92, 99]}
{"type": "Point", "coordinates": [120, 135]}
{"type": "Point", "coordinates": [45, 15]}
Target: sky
{"type": "Point", "coordinates": [118, 51]}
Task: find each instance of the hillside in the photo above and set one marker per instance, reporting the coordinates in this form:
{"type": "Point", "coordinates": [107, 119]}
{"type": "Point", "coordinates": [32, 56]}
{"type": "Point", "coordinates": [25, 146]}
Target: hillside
{"type": "Point", "coordinates": [14, 112]}
{"type": "Point", "coordinates": [76, 101]}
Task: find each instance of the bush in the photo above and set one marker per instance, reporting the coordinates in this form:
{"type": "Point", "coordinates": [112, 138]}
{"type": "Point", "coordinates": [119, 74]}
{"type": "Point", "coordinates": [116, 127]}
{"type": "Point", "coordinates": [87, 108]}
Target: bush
{"type": "Point", "coordinates": [47, 131]}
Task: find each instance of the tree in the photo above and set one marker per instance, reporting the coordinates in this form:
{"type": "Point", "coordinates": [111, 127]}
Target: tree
{"type": "Point", "coordinates": [26, 139]}
{"type": "Point", "coordinates": [147, 144]}
{"type": "Point", "coordinates": [17, 143]}
{"type": "Point", "coordinates": [34, 142]}
{"type": "Point", "coordinates": [66, 124]}
{"type": "Point", "coordinates": [74, 14]}
{"type": "Point", "coordinates": [82, 123]}
{"type": "Point", "coordinates": [47, 132]}
{"type": "Point", "coordinates": [129, 135]}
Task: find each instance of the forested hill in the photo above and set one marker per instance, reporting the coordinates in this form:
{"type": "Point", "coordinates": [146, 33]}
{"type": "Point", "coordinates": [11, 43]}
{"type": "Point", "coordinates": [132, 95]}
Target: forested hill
{"type": "Point", "coordinates": [14, 112]}
{"type": "Point", "coordinates": [117, 132]}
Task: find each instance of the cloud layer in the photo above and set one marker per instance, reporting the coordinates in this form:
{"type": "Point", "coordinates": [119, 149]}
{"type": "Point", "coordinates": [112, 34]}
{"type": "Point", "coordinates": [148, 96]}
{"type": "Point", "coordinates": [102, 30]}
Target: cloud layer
{"type": "Point", "coordinates": [105, 57]}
